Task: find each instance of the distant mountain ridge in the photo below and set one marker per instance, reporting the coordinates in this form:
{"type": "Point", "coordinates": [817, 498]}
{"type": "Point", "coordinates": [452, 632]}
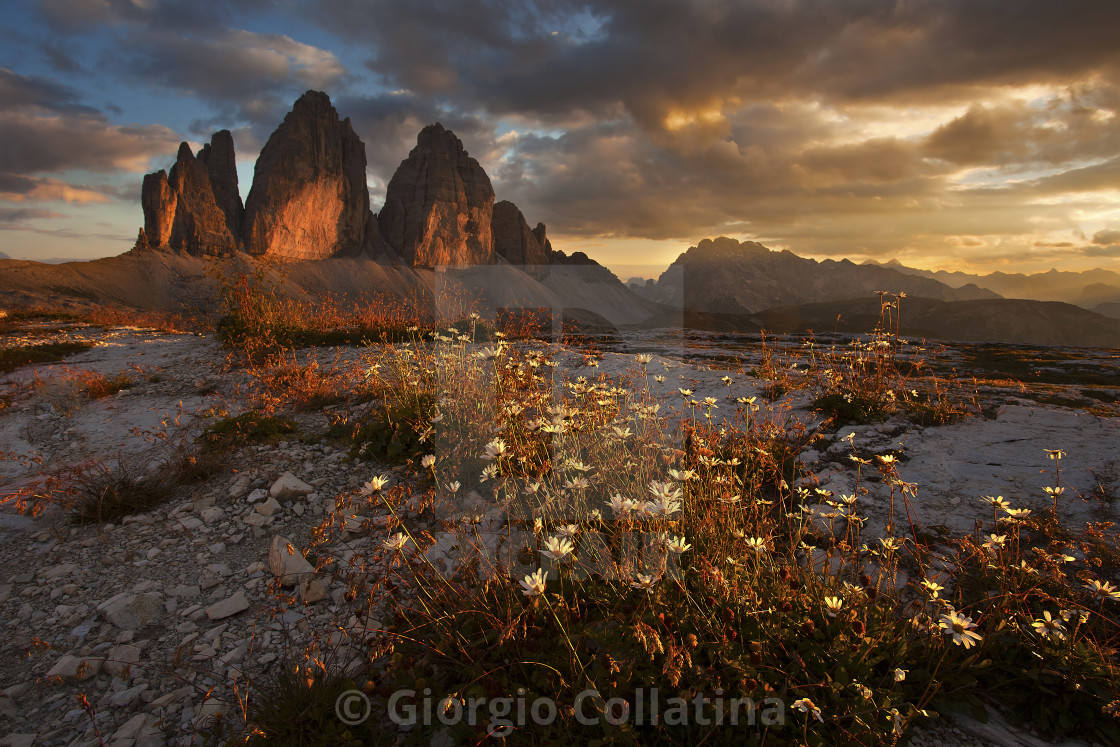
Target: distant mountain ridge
{"type": "Point", "coordinates": [726, 285]}
{"type": "Point", "coordinates": [1097, 289]}
{"type": "Point", "coordinates": [725, 276]}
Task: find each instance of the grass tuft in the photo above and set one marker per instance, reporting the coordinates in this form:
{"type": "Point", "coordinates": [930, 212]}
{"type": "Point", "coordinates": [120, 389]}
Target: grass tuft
{"type": "Point", "coordinates": [247, 428]}
{"type": "Point", "coordinates": [102, 493]}
{"type": "Point", "coordinates": [19, 356]}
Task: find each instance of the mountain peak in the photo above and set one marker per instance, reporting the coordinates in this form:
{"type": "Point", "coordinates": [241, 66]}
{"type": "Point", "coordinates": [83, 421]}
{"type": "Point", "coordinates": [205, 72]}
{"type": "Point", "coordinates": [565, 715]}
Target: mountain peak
{"type": "Point", "coordinates": [313, 101]}
{"type": "Point", "coordinates": [439, 204]}
{"type": "Point", "coordinates": [309, 198]}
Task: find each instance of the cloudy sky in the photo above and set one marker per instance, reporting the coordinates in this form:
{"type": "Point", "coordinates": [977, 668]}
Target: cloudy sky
{"type": "Point", "coordinates": [959, 134]}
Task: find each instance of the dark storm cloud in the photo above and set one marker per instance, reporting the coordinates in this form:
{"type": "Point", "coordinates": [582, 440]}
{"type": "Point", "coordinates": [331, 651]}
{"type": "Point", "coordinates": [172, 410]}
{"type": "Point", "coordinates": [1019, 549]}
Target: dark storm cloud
{"type": "Point", "coordinates": [916, 48]}
{"type": "Point", "coordinates": [50, 143]}
{"type": "Point", "coordinates": [58, 56]}
{"type": "Point", "coordinates": [73, 16]}
{"type": "Point", "coordinates": [606, 179]}
{"type": "Point", "coordinates": [610, 179]}
{"type": "Point", "coordinates": [196, 47]}
{"type": "Point", "coordinates": [79, 16]}
{"type": "Point", "coordinates": [32, 91]}
{"type": "Point", "coordinates": [44, 189]}
{"type": "Point", "coordinates": [1110, 250]}
{"type": "Point", "coordinates": [1107, 237]}
{"type": "Point", "coordinates": [44, 129]}
{"type": "Point", "coordinates": [15, 184]}
{"type": "Point", "coordinates": [246, 76]}
{"type": "Point", "coordinates": [18, 215]}
{"type": "Point", "coordinates": [1101, 176]}
{"type": "Point", "coordinates": [877, 160]}
{"type": "Point", "coordinates": [652, 56]}
{"type": "Point", "coordinates": [1066, 129]}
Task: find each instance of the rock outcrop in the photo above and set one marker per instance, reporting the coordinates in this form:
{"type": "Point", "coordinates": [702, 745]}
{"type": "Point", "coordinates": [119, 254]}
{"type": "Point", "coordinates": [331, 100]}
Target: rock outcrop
{"type": "Point", "coordinates": [439, 204]}
{"type": "Point", "coordinates": [309, 198]}
{"type": "Point", "coordinates": [181, 212]}
{"type": "Point", "coordinates": [221, 166]}
{"type": "Point", "coordinates": [541, 233]}
{"type": "Point", "coordinates": [158, 201]}
{"type": "Point", "coordinates": [513, 239]}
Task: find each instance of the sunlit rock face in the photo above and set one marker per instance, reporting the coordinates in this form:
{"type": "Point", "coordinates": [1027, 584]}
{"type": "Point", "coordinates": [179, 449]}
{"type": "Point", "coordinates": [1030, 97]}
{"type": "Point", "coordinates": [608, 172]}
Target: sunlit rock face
{"type": "Point", "coordinates": [439, 204]}
{"type": "Point", "coordinates": [195, 209]}
{"type": "Point", "coordinates": [309, 198]}
{"type": "Point", "coordinates": [158, 201]}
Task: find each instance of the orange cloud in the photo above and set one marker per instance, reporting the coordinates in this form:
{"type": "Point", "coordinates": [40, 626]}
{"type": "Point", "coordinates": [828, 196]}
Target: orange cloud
{"type": "Point", "coordinates": [48, 190]}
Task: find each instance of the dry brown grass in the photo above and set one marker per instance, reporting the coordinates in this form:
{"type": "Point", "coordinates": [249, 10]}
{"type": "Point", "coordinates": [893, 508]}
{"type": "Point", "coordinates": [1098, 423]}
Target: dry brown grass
{"type": "Point", "coordinates": [14, 318]}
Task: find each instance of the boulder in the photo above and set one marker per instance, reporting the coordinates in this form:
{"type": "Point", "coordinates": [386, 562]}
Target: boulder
{"type": "Point", "coordinates": [211, 514]}
{"type": "Point", "coordinates": [75, 667]}
{"type": "Point", "coordinates": [312, 590]}
{"type": "Point", "coordinates": [143, 728]}
{"type": "Point", "coordinates": [439, 204]}
{"type": "Point", "coordinates": [130, 611]}
{"type": "Point", "coordinates": [16, 739]}
{"type": "Point", "coordinates": [287, 563]}
{"type": "Point", "coordinates": [62, 570]}
{"type": "Point", "coordinates": [228, 607]}
{"type": "Point", "coordinates": [125, 698]}
{"type": "Point", "coordinates": [309, 198]}
{"type": "Point", "coordinates": [121, 657]}
{"type": "Point", "coordinates": [268, 508]}
{"type": "Point", "coordinates": [288, 486]}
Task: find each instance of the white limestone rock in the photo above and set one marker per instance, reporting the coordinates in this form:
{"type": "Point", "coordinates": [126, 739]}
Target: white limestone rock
{"type": "Point", "coordinates": [288, 486]}
{"type": "Point", "coordinates": [77, 668]}
{"type": "Point", "coordinates": [228, 607]}
{"type": "Point", "coordinates": [130, 611]}
{"type": "Point", "coordinates": [287, 563]}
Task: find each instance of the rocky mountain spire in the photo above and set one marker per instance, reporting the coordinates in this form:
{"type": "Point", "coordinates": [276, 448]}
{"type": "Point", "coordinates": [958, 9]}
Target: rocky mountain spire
{"type": "Point", "coordinates": [513, 239]}
{"type": "Point", "coordinates": [221, 165]}
{"type": "Point", "coordinates": [540, 232]}
{"type": "Point", "coordinates": [309, 198]}
{"type": "Point", "coordinates": [439, 204]}
{"type": "Point", "coordinates": [181, 213]}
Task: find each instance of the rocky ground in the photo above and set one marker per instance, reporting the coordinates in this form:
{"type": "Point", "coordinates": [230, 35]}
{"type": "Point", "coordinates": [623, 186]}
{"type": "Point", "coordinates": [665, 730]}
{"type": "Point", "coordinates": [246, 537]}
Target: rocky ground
{"type": "Point", "coordinates": [152, 630]}
{"type": "Point", "coordinates": [160, 621]}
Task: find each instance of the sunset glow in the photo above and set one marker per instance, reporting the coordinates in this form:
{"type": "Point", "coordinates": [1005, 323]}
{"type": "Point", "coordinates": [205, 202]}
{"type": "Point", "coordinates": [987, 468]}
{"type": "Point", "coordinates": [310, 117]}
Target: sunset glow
{"type": "Point", "coordinates": [948, 135]}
